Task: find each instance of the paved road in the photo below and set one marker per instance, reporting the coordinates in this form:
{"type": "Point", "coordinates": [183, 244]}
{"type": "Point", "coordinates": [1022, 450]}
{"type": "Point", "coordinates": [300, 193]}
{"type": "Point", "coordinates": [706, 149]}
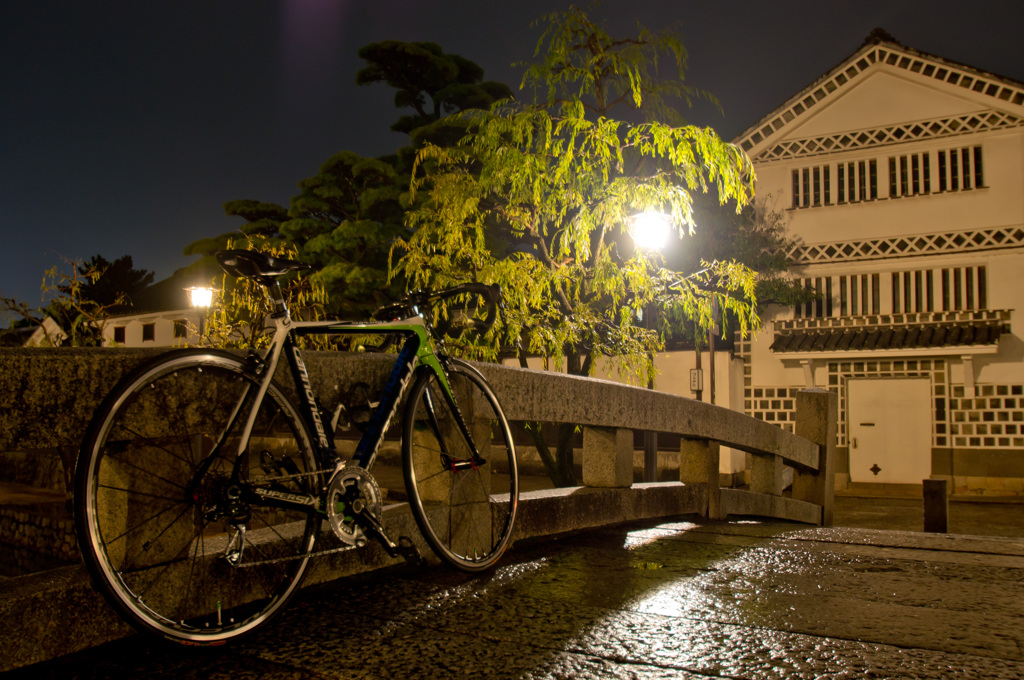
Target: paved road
{"type": "Point", "coordinates": [667, 600]}
{"type": "Point", "coordinates": [981, 517]}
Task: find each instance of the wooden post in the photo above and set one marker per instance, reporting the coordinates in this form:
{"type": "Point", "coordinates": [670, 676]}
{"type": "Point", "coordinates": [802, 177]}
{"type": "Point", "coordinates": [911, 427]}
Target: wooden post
{"type": "Point", "coordinates": [817, 413]}
{"type": "Point", "coordinates": [936, 506]}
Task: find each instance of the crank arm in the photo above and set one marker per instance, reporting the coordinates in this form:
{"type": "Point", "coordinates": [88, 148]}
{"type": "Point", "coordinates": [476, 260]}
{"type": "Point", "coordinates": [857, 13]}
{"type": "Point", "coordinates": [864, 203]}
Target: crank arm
{"type": "Point", "coordinates": [404, 547]}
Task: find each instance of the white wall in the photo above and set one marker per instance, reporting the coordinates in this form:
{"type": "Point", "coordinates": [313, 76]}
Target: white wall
{"type": "Point", "coordinates": [163, 329]}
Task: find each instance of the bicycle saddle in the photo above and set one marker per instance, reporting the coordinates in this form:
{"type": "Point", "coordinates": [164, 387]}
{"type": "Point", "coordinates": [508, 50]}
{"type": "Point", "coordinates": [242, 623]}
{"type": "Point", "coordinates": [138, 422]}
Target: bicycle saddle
{"type": "Point", "coordinates": [255, 265]}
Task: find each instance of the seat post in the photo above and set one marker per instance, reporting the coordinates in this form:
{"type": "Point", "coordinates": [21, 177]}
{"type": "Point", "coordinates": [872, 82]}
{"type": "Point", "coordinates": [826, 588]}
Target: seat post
{"type": "Point", "coordinates": [278, 306]}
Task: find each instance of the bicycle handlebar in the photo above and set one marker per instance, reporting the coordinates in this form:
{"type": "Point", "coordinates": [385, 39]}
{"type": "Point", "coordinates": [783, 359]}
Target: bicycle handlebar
{"type": "Point", "coordinates": [410, 304]}
{"type": "Point", "coordinates": [263, 268]}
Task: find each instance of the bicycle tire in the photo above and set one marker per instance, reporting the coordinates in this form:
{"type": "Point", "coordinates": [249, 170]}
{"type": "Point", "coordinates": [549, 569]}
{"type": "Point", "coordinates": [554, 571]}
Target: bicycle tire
{"type": "Point", "coordinates": [154, 542]}
{"type": "Point", "coordinates": [465, 511]}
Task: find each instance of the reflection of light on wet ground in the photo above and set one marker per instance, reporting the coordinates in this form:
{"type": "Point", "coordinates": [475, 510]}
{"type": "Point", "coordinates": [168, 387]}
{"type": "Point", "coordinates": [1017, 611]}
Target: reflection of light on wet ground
{"type": "Point", "coordinates": [675, 595]}
{"type": "Point", "coordinates": [702, 600]}
{"type": "Point", "coordinates": [737, 585]}
{"type": "Point", "coordinates": [642, 537]}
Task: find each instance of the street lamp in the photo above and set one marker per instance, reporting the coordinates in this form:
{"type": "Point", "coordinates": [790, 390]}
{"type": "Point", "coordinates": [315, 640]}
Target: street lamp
{"type": "Point", "coordinates": [201, 297]}
{"type": "Point", "coordinates": [650, 230]}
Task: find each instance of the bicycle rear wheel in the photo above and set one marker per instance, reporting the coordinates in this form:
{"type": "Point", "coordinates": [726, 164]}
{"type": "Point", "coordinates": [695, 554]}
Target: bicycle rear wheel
{"type": "Point", "coordinates": [173, 542]}
{"type": "Point", "coordinates": [464, 505]}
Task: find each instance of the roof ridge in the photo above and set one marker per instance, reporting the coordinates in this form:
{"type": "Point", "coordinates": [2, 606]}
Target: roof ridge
{"type": "Point", "coordinates": [864, 57]}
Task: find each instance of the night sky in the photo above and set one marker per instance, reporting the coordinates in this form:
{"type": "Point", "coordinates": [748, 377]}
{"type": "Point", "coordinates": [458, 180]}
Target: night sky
{"type": "Point", "coordinates": [125, 125]}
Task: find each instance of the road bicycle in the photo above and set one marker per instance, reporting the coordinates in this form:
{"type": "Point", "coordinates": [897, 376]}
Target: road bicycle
{"type": "Point", "coordinates": [202, 485]}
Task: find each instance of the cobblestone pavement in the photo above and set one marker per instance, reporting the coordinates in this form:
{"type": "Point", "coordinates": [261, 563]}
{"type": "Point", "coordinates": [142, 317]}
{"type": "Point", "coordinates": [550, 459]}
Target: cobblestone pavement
{"type": "Point", "coordinates": [667, 600]}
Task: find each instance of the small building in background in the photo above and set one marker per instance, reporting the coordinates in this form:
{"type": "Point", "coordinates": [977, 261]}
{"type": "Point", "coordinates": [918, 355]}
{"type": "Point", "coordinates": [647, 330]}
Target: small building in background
{"type": "Point", "coordinates": [178, 328]}
{"type": "Point", "coordinates": [902, 176]}
{"type": "Point", "coordinates": [149, 324]}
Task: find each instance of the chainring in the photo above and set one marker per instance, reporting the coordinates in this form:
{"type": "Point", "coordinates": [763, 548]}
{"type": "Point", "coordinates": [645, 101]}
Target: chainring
{"type": "Point", "coordinates": [352, 489]}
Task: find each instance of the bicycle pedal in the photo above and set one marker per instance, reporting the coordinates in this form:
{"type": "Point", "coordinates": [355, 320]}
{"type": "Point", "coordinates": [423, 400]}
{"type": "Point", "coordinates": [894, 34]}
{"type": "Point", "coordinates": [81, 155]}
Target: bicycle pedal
{"type": "Point", "coordinates": [407, 549]}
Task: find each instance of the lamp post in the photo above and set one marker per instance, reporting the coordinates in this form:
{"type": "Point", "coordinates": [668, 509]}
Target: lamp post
{"type": "Point", "coordinates": [711, 348]}
{"type": "Point", "coordinates": [650, 231]}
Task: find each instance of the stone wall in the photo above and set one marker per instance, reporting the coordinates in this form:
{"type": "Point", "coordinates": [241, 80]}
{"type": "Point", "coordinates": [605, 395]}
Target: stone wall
{"type": "Point", "coordinates": [51, 534]}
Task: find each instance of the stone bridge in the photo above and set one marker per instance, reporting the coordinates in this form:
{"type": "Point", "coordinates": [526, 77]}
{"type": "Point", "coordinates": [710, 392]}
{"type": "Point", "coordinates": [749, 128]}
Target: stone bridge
{"type": "Point", "coordinates": [49, 396]}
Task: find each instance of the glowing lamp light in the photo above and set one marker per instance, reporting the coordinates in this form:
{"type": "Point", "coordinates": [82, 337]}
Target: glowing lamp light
{"type": "Point", "coordinates": [650, 230]}
{"type": "Point", "coordinates": [200, 296]}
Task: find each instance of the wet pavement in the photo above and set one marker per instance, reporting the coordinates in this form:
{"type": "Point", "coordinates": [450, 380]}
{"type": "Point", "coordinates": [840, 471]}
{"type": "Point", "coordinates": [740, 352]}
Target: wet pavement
{"type": "Point", "coordinates": [678, 599]}
{"type": "Point", "coordinates": [977, 516]}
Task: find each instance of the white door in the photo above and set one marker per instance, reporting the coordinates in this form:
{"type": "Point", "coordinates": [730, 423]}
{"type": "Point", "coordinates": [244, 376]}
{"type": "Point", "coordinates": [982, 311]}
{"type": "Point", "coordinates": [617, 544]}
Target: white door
{"type": "Point", "coordinates": [890, 428]}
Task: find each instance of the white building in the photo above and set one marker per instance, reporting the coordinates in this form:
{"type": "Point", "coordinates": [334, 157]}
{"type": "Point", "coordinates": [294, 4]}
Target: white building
{"type": "Point", "coordinates": [156, 329]}
{"type": "Point", "coordinates": [902, 175]}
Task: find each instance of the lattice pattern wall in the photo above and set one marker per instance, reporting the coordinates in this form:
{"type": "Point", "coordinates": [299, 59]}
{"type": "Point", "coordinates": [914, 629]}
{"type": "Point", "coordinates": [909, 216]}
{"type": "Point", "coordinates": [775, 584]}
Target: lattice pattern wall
{"type": "Point", "coordinates": [894, 134]}
{"type": "Point", "coordinates": [901, 58]}
{"type": "Point", "coordinates": [904, 246]}
{"type": "Point", "coordinates": [776, 405]}
{"type": "Point", "coordinates": [993, 419]}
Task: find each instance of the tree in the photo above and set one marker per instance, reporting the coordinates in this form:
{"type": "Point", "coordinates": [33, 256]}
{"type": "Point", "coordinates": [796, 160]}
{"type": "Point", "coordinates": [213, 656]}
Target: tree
{"type": "Point", "coordinates": [540, 199]}
{"type": "Point", "coordinates": [428, 81]}
{"type": "Point", "coordinates": [114, 285]}
{"type": "Point", "coordinates": [238, 315]}
{"type": "Point", "coordinates": [580, 63]}
{"type": "Point", "coordinates": [75, 318]}
{"type": "Point", "coordinates": [346, 218]}
{"type": "Point", "coordinates": [754, 236]}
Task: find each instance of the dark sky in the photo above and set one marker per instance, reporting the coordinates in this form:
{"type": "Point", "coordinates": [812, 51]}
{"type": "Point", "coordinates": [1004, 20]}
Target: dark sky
{"type": "Point", "coordinates": [126, 124]}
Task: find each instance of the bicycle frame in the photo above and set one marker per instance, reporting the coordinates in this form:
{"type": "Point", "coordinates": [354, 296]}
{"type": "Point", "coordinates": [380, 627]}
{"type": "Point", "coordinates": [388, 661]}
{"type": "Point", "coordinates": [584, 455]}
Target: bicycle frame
{"type": "Point", "coordinates": [416, 351]}
{"type": "Point", "coordinates": [202, 487]}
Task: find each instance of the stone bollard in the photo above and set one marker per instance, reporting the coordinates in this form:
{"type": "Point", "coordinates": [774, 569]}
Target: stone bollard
{"type": "Point", "coordinates": [936, 506]}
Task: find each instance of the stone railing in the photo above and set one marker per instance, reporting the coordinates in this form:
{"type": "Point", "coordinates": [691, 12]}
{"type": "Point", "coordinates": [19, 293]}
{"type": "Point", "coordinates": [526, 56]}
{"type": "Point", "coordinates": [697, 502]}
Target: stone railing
{"type": "Point", "coordinates": [48, 397]}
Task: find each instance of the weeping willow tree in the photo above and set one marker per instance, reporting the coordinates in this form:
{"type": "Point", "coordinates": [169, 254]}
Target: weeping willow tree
{"type": "Point", "coordinates": [238, 316]}
{"type": "Point", "coordinates": [542, 199]}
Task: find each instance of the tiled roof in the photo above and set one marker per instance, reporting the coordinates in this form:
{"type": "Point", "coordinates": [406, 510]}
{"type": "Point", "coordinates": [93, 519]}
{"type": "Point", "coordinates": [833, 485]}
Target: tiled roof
{"type": "Point", "coordinates": [891, 337]}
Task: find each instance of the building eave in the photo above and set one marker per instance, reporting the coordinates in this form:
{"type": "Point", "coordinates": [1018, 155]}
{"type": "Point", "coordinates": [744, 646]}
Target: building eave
{"type": "Point", "coordinates": [1003, 90]}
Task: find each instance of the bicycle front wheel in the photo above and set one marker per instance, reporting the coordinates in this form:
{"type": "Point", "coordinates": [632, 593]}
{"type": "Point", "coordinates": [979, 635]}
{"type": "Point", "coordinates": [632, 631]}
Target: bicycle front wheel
{"type": "Point", "coordinates": [464, 503]}
{"type": "Point", "coordinates": [170, 517]}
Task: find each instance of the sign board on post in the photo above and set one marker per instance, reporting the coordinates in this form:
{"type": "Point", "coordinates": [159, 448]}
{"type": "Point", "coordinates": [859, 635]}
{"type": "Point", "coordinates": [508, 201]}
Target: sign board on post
{"type": "Point", "coordinates": [696, 379]}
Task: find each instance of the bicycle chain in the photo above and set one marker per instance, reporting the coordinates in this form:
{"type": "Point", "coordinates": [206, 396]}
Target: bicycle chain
{"type": "Point", "coordinates": [290, 558]}
{"type": "Point", "coordinates": [314, 473]}
{"type": "Point", "coordinates": [265, 480]}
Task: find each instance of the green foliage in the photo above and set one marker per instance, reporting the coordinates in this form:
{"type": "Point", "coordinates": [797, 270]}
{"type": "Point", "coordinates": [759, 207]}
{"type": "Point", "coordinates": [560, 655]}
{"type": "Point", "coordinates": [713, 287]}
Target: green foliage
{"type": "Point", "coordinates": [540, 200]}
{"type": "Point", "coordinates": [754, 236]}
{"type": "Point", "coordinates": [343, 223]}
{"type": "Point", "coordinates": [76, 319]}
{"type": "Point", "coordinates": [238, 316]}
{"type": "Point", "coordinates": [579, 62]}
{"type": "Point", "coordinates": [347, 217]}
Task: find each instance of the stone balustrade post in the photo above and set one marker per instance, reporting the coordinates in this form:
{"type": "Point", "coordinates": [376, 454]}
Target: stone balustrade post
{"type": "Point", "coordinates": [817, 414]}
{"type": "Point", "coordinates": [698, 464]}
{"type": "Point", "coordinates": [607, 457]}
{"type": "Point", "coordinates": [766, 474]}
